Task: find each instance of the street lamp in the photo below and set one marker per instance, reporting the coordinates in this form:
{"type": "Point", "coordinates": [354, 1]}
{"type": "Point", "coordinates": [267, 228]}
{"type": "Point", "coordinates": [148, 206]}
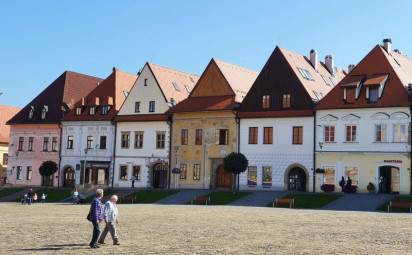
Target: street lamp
{"type": "Point", "coordinates": [84, 167]}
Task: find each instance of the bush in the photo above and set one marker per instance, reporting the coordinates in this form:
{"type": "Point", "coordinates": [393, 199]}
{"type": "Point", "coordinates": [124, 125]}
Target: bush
{"type": "Point", "coordinates": [371, 187]}
{"type": "Point", "coordinates": [48, 168]}
{"type": "Point", "coordinates": [327, 187]}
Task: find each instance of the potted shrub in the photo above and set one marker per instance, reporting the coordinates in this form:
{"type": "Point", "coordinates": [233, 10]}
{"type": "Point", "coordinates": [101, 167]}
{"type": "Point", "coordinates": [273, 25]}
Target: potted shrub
{"type": "Point", "coordinates": [327, 188]}
{"type": "Point", "coordinates": [371, 188]}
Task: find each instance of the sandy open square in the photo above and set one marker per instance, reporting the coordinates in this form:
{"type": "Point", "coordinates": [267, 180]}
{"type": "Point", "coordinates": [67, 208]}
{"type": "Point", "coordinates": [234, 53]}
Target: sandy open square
{"type": "Point", "coordinates": [155, 229]}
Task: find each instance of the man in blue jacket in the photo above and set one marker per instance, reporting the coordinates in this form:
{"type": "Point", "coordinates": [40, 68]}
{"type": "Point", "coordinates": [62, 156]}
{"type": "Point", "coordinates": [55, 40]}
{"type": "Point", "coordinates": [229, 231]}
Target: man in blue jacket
{"type": "Point", "coordinates": [96, 216]}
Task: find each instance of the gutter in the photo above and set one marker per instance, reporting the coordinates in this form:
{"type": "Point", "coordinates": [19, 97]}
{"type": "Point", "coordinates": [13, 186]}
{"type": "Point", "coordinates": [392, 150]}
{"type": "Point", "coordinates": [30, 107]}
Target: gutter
{"type": "Point", "coordinates": [114, 153]}
{"type": "Point", "coordinates": [60, 156]}
{"type": "Point", "coordinates": [170, 122]}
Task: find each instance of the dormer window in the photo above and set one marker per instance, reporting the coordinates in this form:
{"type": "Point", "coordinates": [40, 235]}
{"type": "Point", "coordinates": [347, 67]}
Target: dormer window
{"type": "Point", "coordinates": [31, 112]}
{"type": "Point", "coordinates": [306, 74]}
{"type": "Point", "coordinates": [374, 86]}
{"type": "Point", "coordinates": [266, 101]}
{"type": "Point", "coordinates": [44, 111]}
{"type": "Point", "coordinates": [286, 101]}
{"type": "Point", "coordinates": [92, 110]}
{"type": "Point", "coordinates": [373, 94]}
{"type": "Point", "coordinates": [78, 110]}
{"type": "Point", "coordinates": [105, 109]}
{"type": "Point", "coordinates": [349, 95]}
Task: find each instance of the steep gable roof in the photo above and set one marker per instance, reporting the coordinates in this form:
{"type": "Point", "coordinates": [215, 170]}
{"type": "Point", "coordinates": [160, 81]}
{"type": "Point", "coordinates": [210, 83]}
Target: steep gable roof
{"type": "Point", "coordinates": [112, 91]}
{"type": "Point", "coordinates": [174, 84]}
{"type": "Point", "coordinates": [393, 69]}
{"type": "Point", "coordinates": [6, 112]}
{"type": "Point", "coordinates": [59, 97]}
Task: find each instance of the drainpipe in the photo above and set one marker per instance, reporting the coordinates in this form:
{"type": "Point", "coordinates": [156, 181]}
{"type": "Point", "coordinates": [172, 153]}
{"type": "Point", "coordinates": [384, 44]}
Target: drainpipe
{"type": "Point", "coordinates": [114, 153]}
{"type": "Point", "coordinates": [237, 119]}
{"type": "Point", "coordinates": [170, 122]}
{"type": "Point", "coordinates": [314, 152]}
{"type": "Point", "coordinates": [60, 157]}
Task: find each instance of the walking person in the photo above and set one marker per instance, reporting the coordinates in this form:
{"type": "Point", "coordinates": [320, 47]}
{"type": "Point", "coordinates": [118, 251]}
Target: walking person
{"type": "Point", "coordinates": [29, 196]}
{"type": "Point", "coordinates": [96, 216]}
{"type": "Point", "coordinates": [43, 198]}
{"type": "Point", "coordinates": [133, 179]}
{"type": "Point", "coordinates": [342, 184]}
{"type": "Point", "coordinates": [111, 214]}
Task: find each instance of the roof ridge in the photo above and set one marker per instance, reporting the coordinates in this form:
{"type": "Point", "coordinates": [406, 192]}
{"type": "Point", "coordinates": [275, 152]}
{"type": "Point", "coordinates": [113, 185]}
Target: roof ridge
{"type": "Point", "coordinates": [235, 65]}
{"type": "Point", "coordinates": [73, 72]}
{"type": "Point", "coordinates": [172, 69]}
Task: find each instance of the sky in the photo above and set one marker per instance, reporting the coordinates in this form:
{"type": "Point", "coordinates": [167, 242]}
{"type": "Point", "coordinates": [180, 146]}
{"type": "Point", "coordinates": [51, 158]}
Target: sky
{"type": "Point", "coordinates": [39, 40]}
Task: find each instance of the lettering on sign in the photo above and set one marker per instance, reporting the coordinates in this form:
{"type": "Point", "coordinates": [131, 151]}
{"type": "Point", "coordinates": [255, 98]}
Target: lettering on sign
{"type": "Point", "coordinates": [392, 161]}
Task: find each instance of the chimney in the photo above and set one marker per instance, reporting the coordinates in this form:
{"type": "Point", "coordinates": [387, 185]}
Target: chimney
{"type": "Point", "coordinates": [314, 59]}
{"type": "Point", "coordinates": [115, 69]}
{"type": "Point", "coordinates": [83, 101]}
{"type": "Point", "coordinates": [330, 64]}
{"type": "Point", "coordinates": [350, 67]}
{"type": "Point", "coordinates": [387, 44]}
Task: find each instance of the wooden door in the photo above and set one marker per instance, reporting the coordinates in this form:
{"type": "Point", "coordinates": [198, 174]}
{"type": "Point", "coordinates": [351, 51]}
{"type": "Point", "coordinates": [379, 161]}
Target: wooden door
{"type": "Point", "coordinates": [224, 178]}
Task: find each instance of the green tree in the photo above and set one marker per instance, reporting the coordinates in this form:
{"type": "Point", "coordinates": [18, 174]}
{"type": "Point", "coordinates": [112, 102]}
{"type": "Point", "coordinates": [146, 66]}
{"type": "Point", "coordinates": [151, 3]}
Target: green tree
{"type": "Point", "coordinates": [235, 163]}
{"type": "Point", "coordinates": [48, 168]}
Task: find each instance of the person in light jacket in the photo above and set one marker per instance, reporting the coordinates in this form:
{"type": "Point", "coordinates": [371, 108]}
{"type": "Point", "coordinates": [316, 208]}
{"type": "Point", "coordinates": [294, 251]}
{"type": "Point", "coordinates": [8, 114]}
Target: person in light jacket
{"type": "Point", "coordinates": [110, 215]}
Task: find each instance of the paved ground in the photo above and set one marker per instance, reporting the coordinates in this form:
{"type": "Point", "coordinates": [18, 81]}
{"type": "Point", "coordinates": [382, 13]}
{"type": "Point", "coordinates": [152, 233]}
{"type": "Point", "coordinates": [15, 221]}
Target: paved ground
{"type": "Point", "coordinates": [259, 198]}
{"type": "Point", "coordinates": [154, 229]}
{"type": "Point", "coordinates": [182, 197]}
{"type": "Point", "coordinates": [359, 202]}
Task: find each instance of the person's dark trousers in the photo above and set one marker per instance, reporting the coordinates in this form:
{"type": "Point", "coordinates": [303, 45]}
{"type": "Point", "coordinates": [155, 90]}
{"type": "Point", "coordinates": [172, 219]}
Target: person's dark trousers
{"type": "Point", "coordinates": [96, 233]}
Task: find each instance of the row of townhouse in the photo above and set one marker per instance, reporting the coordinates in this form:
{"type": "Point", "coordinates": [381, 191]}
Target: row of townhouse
{"type": "Point", "coordinates": [301, 123]}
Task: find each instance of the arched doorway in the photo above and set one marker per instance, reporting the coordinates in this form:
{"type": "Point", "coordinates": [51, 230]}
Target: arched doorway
{"type": "Point", "coordinates": [69, 177]}
{"type": "Point", "coordinates": [296, 179]}
{"type": "Point", "coordinates": [224, 179]}
{"type": "Point", "coordinates": [389, 179]}
{"type": "Point", "coordinates": [160, 175]}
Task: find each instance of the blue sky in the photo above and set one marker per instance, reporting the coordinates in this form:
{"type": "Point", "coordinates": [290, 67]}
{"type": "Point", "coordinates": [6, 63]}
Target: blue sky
{"type": "Point", "coordinates": [41, 39]}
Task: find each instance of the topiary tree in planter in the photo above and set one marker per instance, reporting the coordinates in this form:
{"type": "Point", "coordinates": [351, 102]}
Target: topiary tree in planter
{"type": "Point", "coordinates": [235, 163]}
{"type": "Point", "coordinates": [47, 169]}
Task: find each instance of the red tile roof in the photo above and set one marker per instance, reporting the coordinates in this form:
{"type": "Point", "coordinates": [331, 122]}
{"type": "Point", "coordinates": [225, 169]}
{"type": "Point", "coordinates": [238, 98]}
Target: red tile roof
{"type": "Point", "coordinates": [59, 97]}
{"type": "Point", "coordinates": [276, 114]}
{"type": "Point", "coordinates": [374, 67]}
{"type": "Point", "coordinates": [110, 92]}
{"type": "Point", "coordinates": [6, 112]}
{"type": "Point", "coordinates": [141, 117]}
{"type": "Point", "coordinates": [210, 103]}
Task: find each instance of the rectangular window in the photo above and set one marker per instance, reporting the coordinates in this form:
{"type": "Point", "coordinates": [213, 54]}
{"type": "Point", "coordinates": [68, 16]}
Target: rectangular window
{"type": "Point", "coordinates": [350, 95]}
{"type": "Point", "coordinates": [198, 136]}
{"type": "Point", "coordinates": [350, 133]}
{"type": "Point", "coordinates": [266, 176]}
{"type": "Point", "coordinates": [21, 143]}
{"type": "Point", "coordinates": [286, 101]}
{"type": "Point", "coordinates": [196, 172]}
{"type": "Point", "coordinates": [90, 142]}
{"type": "Point", "coordinates": [306, 74]}
{"type": "Point", "coordinates": [373, 94]}
{"type": "Point", "coordinates": [78, 110]}
{"type": "Point", "coordinates": [54, 144]}
{"type": "Point", "coordinates": [125, 140]}
{"type": "Point", "coordinates": [400, 133]}
{"type": "Point", "coordinates": [176, 86]}
{"type": "Point", "coordinates": [103, 140]}
{"type": "Point", "coordinates": [70, 142]}
{"type": "Point", "coordinates": [45, 144]}
{"type": "Point", "coordinates": [5, 159]}
{"type": "Point", "coordinates": [145, 82]}
{"type": "Point", "coordinates": [18, 173]}
{"type": "Point", "coordinates": [329, 176]}
{"type": "Point", "coordinates": [329, 134]}
{"type": "Point", "coordinates": [268, 135]}
{"type": "Point", "coordinates": [266, 102]}
{"type": "Point", "coordinates": [152, 106]}
{"type": "Point", "coordinates": [160, 140]}
{"type": "Point", "coordinates": [183, 171]}
{"type": "Point", "coordinates": [297, 135]}
{"type": "Point", "coordinates": [136, 172]}
{"type": "Point", "coordinates": [352, 173]}
{"type": "Point", "coordinates": [92, 110]}
{"type": "Point", "coordinates": [184, 136]}
{"type": "Point", "coordinates": [123, 173]}
{"type": "Point", "coordinates": [136, 106]}
{"type": "Point", "coordinates": [253, 135]}
{"type": "Point", "coordinates": [105, 109]}
{"type": "Point", "coordinates": [252, 176]}
{"type": "Point", "coordinates": [29, 173]}
{"type": "Point", "coordinates": [380, 133]}
{"type": "Point", "coordinates": [138, 139]}
{"type": "Point", "coordinates": [223, 136]}
{"type": "Point", "coordinates": [30, 145]}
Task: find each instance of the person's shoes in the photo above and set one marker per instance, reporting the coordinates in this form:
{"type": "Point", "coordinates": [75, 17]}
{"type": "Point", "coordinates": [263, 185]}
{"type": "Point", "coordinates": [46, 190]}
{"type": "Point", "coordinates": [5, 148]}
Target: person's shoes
{"type": "Point", "coordinates": [116, 243]}
{"type": "Point", "coordinates": [94, 246]}
{"type": "Point", "coordinates": [100, 242]}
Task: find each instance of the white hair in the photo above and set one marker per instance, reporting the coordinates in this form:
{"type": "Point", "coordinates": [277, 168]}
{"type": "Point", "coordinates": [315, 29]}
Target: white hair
{"type": "Point", "coordinates": [99, 192]}
{"type": "Point", "coordinates": [114, 197]}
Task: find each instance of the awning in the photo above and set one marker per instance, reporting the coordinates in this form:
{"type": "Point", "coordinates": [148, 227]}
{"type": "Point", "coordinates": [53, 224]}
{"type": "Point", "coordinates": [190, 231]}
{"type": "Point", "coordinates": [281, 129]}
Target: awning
{"type": "Point", "coordinates": [375, 79]}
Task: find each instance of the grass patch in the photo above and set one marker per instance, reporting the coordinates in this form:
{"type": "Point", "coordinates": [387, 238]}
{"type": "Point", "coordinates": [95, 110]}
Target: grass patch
{"type": "Point", "coordinates": [223, 197]}
{"type": "Point", "coordinates": [311, 201]}
{"type": "Point", "coordinates": [53, 195]}
{"type": "Point", "coordinates": [384, 207]}
{"type": "Point", "coordinates": [9, 191]}
{"type": "Point", "coordinates": [151, 196]}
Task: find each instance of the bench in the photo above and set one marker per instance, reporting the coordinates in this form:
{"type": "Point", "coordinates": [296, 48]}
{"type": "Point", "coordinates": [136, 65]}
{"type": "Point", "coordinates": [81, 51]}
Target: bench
{"type": "Point", "coordinates": [284, 202]}
{"type": "Point", "coordinates": [201, 199]}
{"type": "Point", "coordinates": [129, 199]}
{"type": "Point", "coordinates": [400, 205]}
